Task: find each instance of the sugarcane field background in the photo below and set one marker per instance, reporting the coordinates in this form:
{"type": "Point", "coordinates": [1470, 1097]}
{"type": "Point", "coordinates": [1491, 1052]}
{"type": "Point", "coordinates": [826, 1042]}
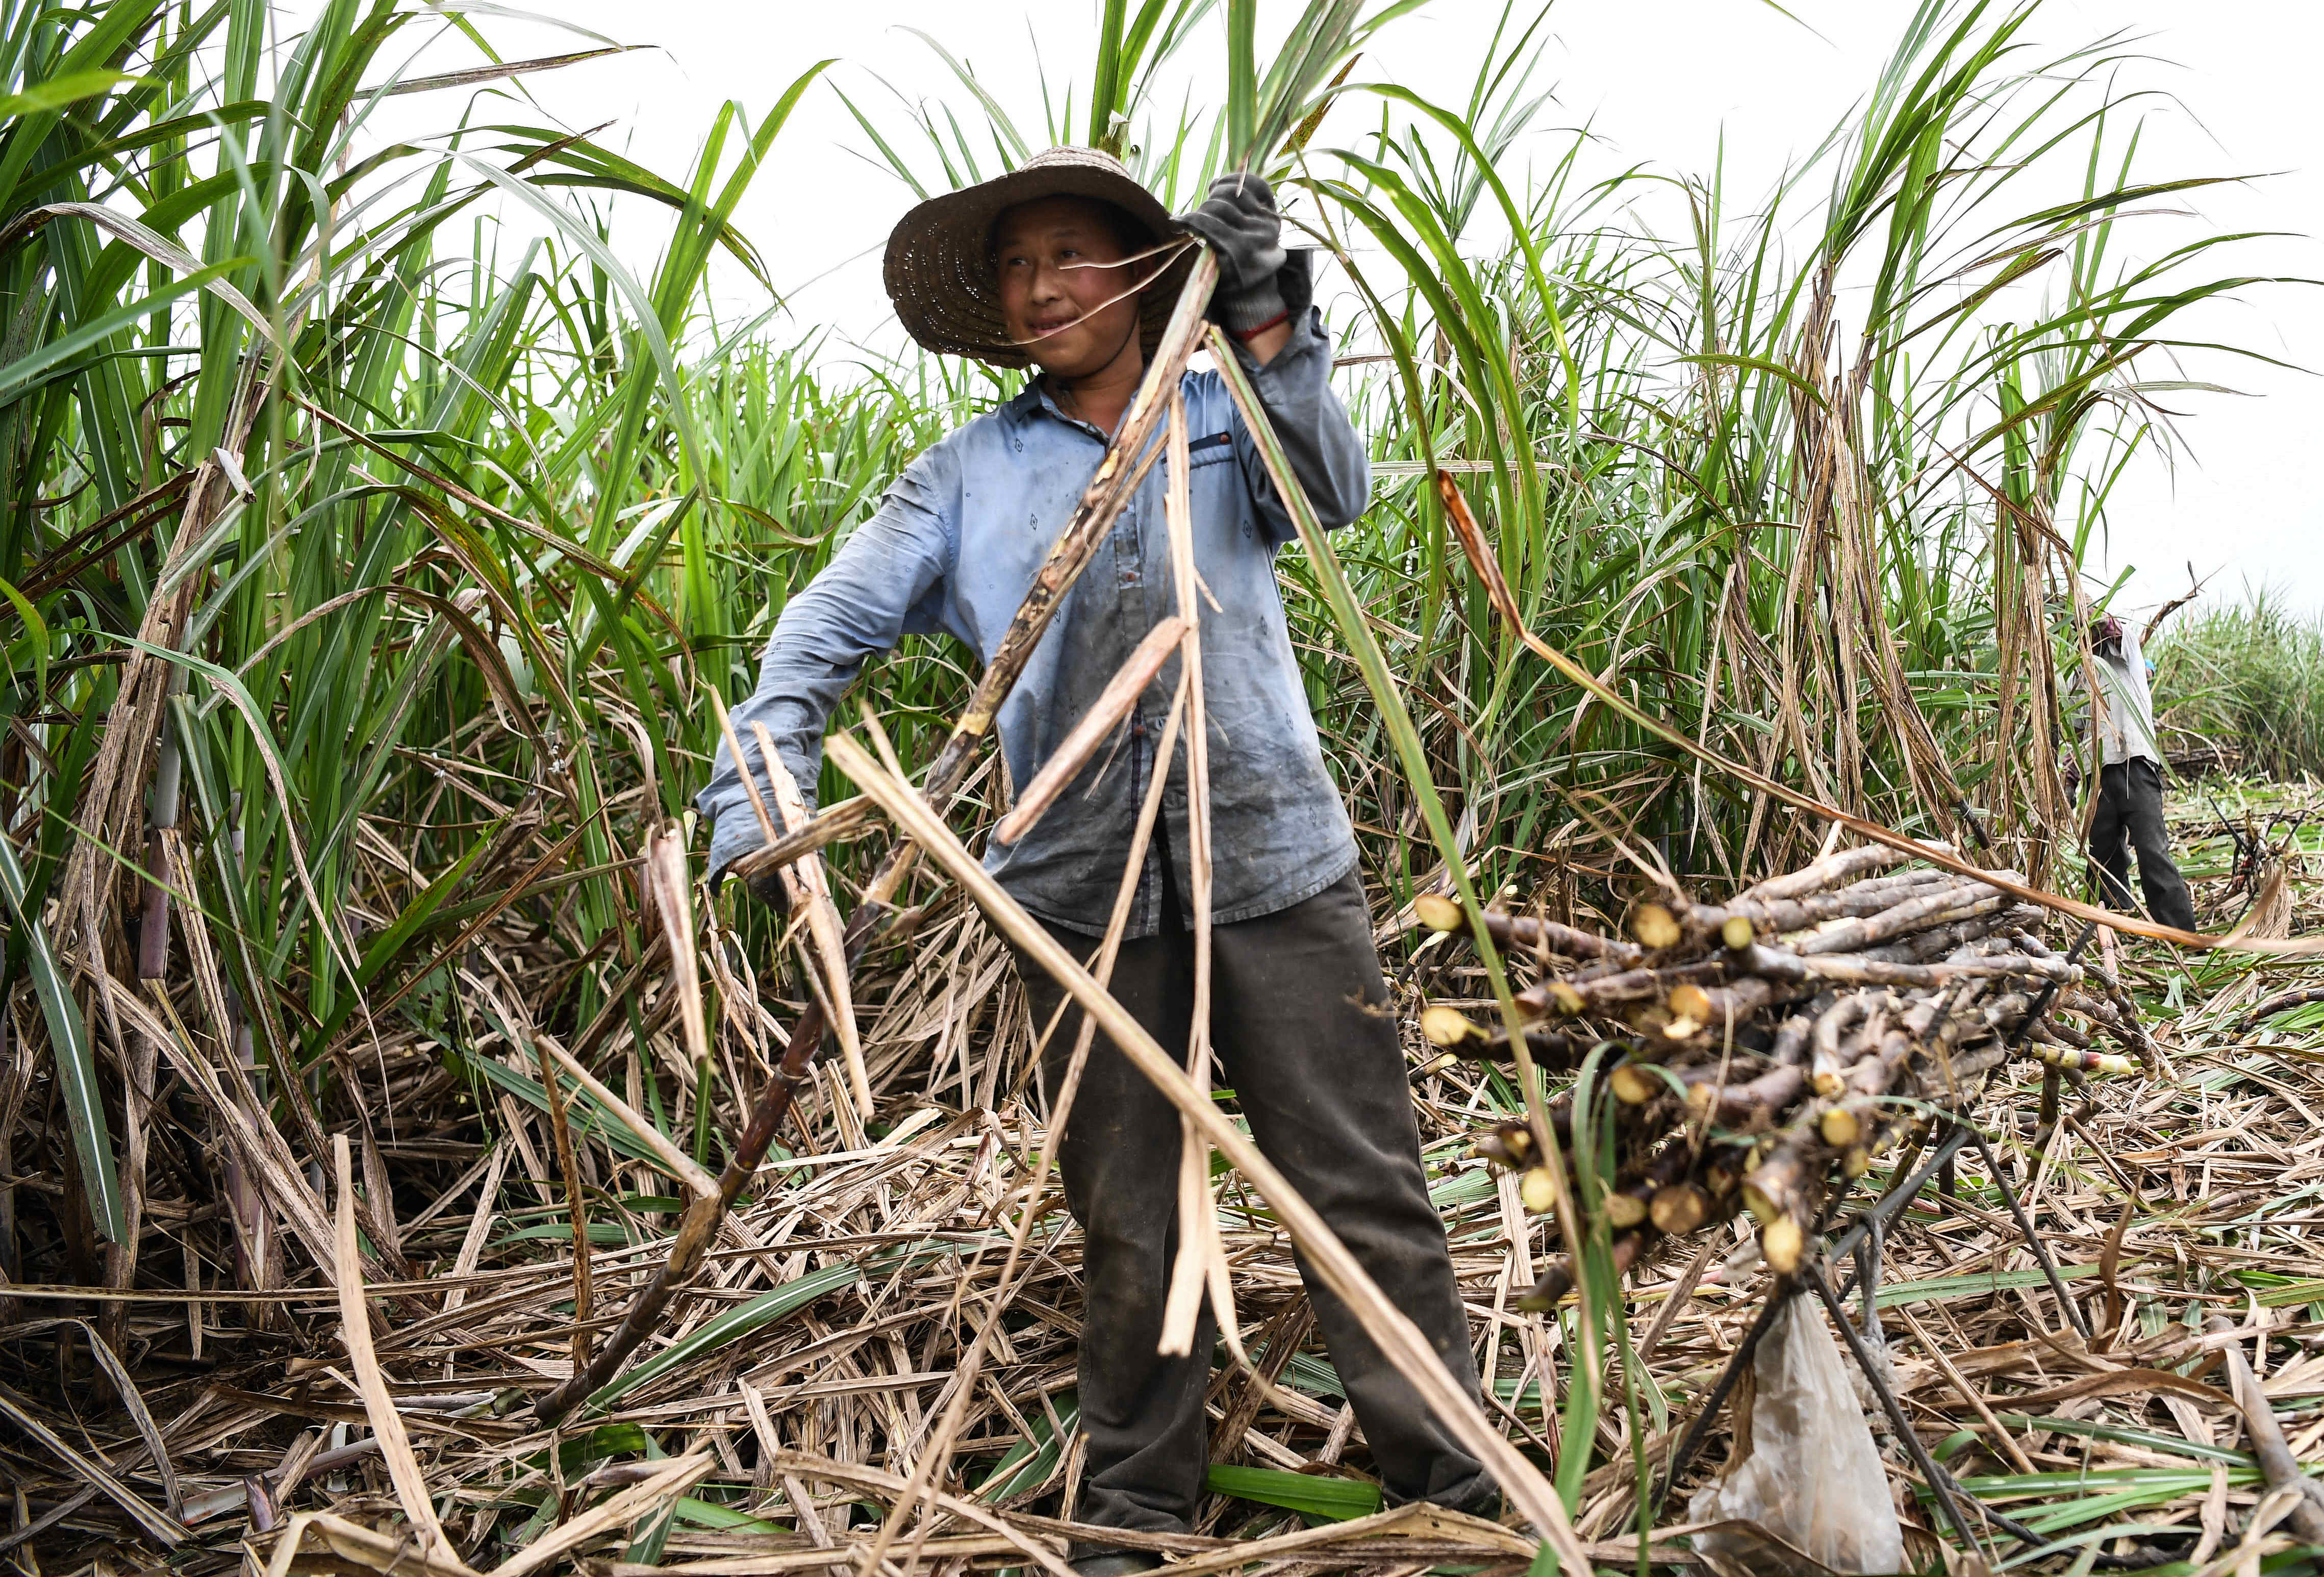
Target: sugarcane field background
{"type": "Point", "coordinates": [382, 1187]}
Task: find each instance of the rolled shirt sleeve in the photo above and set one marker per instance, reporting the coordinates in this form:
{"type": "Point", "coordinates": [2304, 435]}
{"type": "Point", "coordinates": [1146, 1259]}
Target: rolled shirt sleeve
{"type": "Point", "coordinates": [876, 589]}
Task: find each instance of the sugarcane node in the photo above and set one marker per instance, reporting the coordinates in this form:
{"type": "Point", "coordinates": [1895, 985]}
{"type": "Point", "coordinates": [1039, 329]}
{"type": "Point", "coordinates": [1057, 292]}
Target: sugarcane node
{"type": "Point", "coordinates": [1439, 913]}
{"type": "Point", "coordinates": [1679, 1209]}
{"type": "Point", "coordinates": [1655, 926]}
{"type": "Point", "coordinates": [1624, 1209]}
{"type": "Point", "coordinates": [1565, 1000]}
{"type": "Point", "coordinates": [1737, 932]}
{"type": "Point", "coordinates": [1445, 1026]}
{"type": "Point", "coordinates": [1538, 1192]}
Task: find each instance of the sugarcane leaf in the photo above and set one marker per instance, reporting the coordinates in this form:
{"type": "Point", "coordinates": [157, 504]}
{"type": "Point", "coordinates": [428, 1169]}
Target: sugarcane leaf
{"type": "Point", "coordinates": [59, 91]}
{"type": "Point", "coordinates": [731, 1326]}
{"type": "Point", "coordinates": [143, 238]}
{"type": "Point", "coordinates": [2125, 1434]}
{"type": "Point", "coordinates": [56, 358]}
{"type": "Point", "coordinates": [496, 72]}
{"type": "Point", "coordinates": [1326, 1499]}
{"type": "Point", "coordinates": [1105, 90]}
{"type": "Point", "coordinates": [710, 1514]}
{"type": "Point", "coordinates": [76, 1061]}
{"type": "Point", "coordinates": [1760, 364]}
{"type": "Point", "coordinates": [591, 1119]}
{"type": "Point", "coordinates": [36, 630]}
{"type": "Point", "coordinates": [1242, 80]}
{"type": "Point", "coordinates": [1029, 1462]}
{"type": "Point", "coordinates": [388, 943]}
{"type": "Point", "coordinates": [1944, 1288]}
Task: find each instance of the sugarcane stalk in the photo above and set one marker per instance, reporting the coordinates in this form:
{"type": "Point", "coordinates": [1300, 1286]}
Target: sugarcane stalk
{"type": "Point", "coordinates": [1799, 914]}
{"type": "Point", "coordinates": [1824, 1056]}
{"type": "Point", "coordinates": [1829, 871]}
{"type": "Point", "coordinates": [2278, 1466]}
{"type": "Point", "coordinates": [2084, 1062]}
{"type": "Point", "coordinates": [1780, 1193]}
{"type": "Point", "coordinates": [1574, 995]}
{"type": "Point", "coordinates": [1561, 1278]}
{"type": "Point", "coordinates": [1915, 913]}
{"type": "Point", "coordinates": [1634, 1085]}
{"type": "Point", "coordinates": [1440, 914]}
{"type": "Point", "coordinates": [1448, 1028]}
{"type": "Point", "coordinates": [1748, 1106]}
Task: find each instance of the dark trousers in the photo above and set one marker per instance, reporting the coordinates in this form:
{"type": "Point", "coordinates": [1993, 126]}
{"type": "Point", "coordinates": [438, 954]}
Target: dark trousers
{"type": "Point", "coordinates": [2130, 815]}
{"type": "Point", "coordinates": [1316, 1069]}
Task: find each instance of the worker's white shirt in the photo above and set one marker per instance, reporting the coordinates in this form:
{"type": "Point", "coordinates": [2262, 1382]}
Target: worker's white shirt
{"type": "Point", "coordinates": [2126, 724]}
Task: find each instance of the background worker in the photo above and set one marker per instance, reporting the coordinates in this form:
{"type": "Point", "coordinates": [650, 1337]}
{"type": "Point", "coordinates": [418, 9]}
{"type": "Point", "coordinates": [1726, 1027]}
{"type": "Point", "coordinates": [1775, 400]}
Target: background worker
{"type": "Point", "coordinates": [1068, 263]}
{"type": "Point", "coordinates": [2130, 783]}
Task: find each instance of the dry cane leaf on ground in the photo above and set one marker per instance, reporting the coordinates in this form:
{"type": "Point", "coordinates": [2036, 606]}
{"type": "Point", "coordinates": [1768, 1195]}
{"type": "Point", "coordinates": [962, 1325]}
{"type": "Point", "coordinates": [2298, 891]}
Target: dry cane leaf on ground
{"type": "Point", "coordinates": [798, 1390]}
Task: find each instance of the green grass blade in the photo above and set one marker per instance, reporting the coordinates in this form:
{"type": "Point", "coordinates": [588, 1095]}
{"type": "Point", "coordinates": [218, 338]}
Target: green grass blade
{"type": "Point", "coordinates": [75, 1059]}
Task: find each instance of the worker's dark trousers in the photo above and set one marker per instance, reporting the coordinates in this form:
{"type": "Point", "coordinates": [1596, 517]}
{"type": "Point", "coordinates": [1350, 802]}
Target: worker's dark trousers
{"type": "Point", "coordinates": [2130, 815]}
{"type": "Point", "coordinates": [1315, 1067]}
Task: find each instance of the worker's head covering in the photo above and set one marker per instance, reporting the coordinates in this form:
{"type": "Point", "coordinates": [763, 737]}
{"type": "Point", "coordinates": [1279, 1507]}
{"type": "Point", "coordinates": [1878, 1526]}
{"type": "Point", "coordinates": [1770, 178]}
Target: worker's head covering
{"type": "Point", "coordinates": [2106, 636]}
{"type": "Point", "coordinates": [939, 269]}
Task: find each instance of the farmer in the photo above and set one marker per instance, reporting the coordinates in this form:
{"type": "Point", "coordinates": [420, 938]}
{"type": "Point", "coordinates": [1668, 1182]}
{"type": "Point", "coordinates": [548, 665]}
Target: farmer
{"type": "Point", "coordinates": [1067, 264]}
{"type": "Point", "coordinates": [2130, 781]}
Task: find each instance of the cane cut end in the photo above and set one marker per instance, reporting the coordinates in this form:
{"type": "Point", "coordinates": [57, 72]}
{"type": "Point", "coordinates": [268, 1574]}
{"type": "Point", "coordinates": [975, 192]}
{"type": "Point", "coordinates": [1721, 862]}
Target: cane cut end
{"type": "Point", "coordinates": [1438, 912]}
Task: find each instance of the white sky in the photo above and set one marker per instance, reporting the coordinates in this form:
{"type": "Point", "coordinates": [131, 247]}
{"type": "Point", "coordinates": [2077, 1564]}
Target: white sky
{"type": "Point", "coordinates": [1658, 81]}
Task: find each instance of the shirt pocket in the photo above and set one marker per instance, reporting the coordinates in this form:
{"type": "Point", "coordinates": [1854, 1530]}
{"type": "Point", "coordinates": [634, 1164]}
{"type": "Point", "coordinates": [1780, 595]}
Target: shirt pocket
{"type": "Point", "coordinates": [1212, 449]}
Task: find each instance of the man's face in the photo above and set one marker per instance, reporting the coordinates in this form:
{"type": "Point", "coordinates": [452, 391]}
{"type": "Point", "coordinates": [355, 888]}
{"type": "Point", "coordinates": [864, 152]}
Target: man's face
{"type": "Point", "coordinates": [1056, 303]}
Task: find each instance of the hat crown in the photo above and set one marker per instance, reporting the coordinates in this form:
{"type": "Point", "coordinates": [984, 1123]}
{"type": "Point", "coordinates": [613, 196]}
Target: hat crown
{"type": "Point", "coordinates": [1066, 153]}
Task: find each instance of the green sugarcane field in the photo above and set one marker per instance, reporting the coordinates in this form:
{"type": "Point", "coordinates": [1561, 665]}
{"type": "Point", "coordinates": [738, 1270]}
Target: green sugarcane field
{"type": "Point", "coordinates": [1373, 840]}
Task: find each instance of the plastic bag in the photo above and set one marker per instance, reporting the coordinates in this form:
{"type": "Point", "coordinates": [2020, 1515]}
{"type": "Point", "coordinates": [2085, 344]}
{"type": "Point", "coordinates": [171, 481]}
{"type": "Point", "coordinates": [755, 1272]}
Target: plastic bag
{"type": "Point", "coordinates": [1804, 1467]}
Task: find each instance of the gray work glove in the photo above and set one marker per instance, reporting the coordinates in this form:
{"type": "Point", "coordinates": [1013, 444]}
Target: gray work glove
{"type": "Point", "coordinates": [1259, 282]}
{"type": "Point", "coordinates": [768, 887]}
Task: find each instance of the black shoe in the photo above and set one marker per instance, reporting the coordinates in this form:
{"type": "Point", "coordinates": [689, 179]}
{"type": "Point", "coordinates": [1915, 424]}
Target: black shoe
{"type": "Point", "coordinates": [1117, 1563]}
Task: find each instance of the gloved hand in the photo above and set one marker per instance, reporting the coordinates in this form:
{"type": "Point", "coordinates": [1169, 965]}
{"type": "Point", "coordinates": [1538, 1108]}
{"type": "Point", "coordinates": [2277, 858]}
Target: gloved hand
{"type": "Point", "coordinates": [1240, 221]}
{"type": "Point", "coordinates": [768, 887]}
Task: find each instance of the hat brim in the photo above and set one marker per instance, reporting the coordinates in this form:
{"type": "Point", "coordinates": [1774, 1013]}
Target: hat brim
{"type": "Point", "coordinates": [939, 266]}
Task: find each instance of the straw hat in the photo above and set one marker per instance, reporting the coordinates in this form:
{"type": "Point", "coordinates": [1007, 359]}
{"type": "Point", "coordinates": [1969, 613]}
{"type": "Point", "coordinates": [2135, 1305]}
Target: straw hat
{"type": "Point", "coordinates": [939, 267]}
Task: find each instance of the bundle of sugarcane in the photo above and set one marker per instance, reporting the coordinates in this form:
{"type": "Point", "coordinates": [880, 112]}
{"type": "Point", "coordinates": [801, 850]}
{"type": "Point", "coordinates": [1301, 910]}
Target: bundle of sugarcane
{"type": "Point", "coordinates": [1767, 1047]}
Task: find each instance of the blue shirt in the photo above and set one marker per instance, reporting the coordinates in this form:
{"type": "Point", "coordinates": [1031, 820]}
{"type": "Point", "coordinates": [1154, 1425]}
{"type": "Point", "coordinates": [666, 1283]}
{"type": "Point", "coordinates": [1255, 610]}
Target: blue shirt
{"type": "Point", "coordinates": [954, 547]}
